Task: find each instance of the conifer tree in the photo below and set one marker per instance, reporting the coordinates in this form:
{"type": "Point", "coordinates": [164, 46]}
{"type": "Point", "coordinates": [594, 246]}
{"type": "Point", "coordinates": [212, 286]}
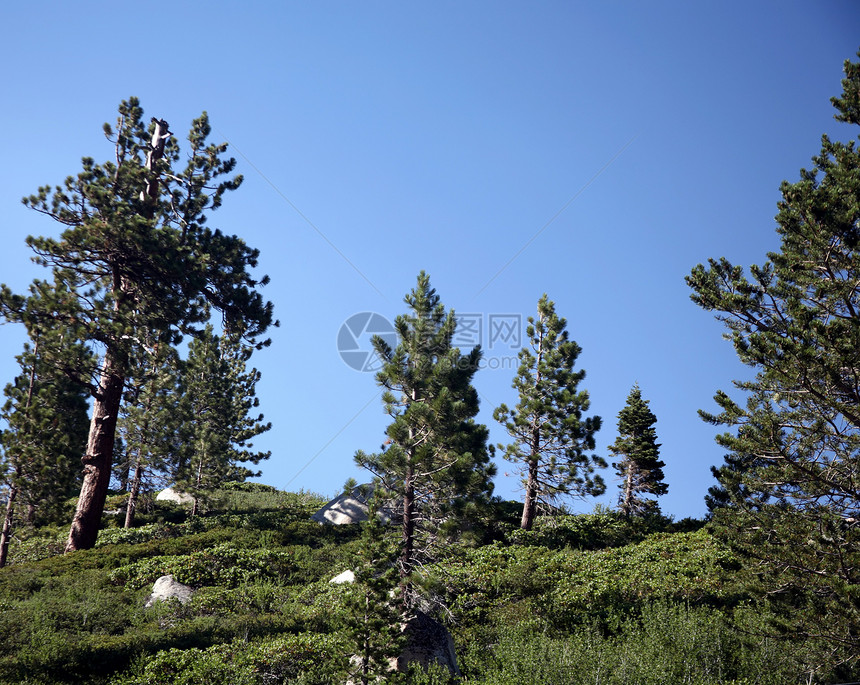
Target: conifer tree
{"type": "Point", "coordinates": [436, 462]}
{"type": "Point", "coordinates": [135, 255]}
{"type": "Point", "coordinates": [640, 468]}
{"type": "Point", "coordinates": [550, 435]}
{"type": "Point", "coordinates": [150, 423]}
{"type": "Point", "coordinates": [372, 627]}
{"type": "Point", "coordinates": [794, 445]}
{"type": "Point", "coordinates": [46, 427]}
{"type": "Point", "coordinates": [218, 395]}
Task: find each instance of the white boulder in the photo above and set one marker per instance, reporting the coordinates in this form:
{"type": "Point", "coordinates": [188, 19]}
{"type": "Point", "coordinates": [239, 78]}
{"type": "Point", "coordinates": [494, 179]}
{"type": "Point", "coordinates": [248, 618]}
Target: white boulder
{"type": "Point", "coordinates": [345, 577]}
{"type": "Point", "coordinates": [167, 587]}
{"type": "Point", "coordinates": [171, 495]}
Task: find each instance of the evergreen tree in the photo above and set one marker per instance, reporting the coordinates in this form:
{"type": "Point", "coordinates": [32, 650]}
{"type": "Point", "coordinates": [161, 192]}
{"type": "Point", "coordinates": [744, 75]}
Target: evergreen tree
{"type": "Point", "coordinates": [550, 436]}
{"type": "Point", "coordinates": [372, 627]}
{"type": "Point", "coordinates": [135, 255]}
{"type": "Point", "coordinates": [218, 394]}
{"type": "Point", "coordinates": [149, 425]}
{"type": "Point", "coordinates": [436, 461]}
{"type": "Point", "coordinates": [795, 444]}
{"type": "Point", "coordinates": [46, 427]}
{"type": "Point", "coordinates": [640, 468]}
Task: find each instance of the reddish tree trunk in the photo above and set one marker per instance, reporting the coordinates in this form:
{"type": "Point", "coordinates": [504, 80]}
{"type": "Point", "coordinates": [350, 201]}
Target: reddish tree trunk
{"type": "Point", "coordinates": [530, 503]}
{"type": "Point", "coordinates": [408, 524]}
{"type": "Point", "coordinates": [99, 457]}
{"type": "Point", "coordinates": [97, 460]}
{"type": "Point", "coordinates": [7, 526]}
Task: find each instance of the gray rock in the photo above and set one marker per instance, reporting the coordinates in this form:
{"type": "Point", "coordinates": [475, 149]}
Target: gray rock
{"type": "Point", "coordinates": [167, 587]}
{"type": "Point", "coordinates": [351, 507]}
{"type": "Point", "coordinates": [427, 642]}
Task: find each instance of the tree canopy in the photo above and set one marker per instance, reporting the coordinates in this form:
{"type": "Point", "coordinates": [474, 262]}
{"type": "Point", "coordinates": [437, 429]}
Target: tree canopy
{"type": "Point", "coordinates": [550, 436]}
{"type": "Point", "coordinates": [794, 444]}
{"type": "Point", "coordinates": [136, 260]}
{"type": "Point", "coordinates": [639, 468]}
{"type": "Point", "coordinates": [435, 460]}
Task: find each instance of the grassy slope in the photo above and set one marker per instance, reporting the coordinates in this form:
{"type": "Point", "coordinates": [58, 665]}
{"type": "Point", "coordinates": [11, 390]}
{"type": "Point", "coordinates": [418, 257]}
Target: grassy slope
{"type": "Point", "coordinates": [581, 599]}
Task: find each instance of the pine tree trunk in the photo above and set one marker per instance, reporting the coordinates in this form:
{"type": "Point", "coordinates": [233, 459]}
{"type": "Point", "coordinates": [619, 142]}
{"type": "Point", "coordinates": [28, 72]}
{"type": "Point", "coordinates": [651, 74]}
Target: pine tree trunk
{"type": "Point", "coordinates": [627, 499]}
{"type": "Point", "coordinates": [99, 457]}
{"type": "Point", "coordinates": [530, 503]}
{"type": "Point", "coordinates": [132, 495]}
{"type": "Point", "coordinates": [97, 461]}
{"type": "Point", "coordinates": [7, 526]}
{"type": "Point", "coordinates": [408, 523]}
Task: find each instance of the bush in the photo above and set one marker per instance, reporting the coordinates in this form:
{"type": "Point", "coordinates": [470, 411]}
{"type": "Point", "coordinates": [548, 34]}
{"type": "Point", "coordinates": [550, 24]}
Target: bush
{"type": "Point", "coordinates": [278, 660]}
{"type": "Point", "coordinates": [222, 565]}
{"type": "Point", "coordinates": [666, 643]}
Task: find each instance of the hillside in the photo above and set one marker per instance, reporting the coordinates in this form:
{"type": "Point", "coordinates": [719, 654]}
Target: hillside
{"type": "Point", "coordinates": [581, 599]}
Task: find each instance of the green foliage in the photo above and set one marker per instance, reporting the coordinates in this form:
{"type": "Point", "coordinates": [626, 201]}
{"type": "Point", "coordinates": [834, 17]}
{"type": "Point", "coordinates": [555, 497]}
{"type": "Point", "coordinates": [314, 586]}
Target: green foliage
{"type": "Point", "coordinates": [565, 588]}
{"type": "Point", "coordinates": [222, 565]}
{"type": "Point", "coordinates": [599, 530]}
{"type": "Point", "coordinates": [282, 659]}
{"type": "Point", "coordinates": [215, 399]}
{"type": "Point", "coordinates": [149, 425]}
{"type": "Point", "coordinates": [435, 460]}
{"type": "Point", "coordinates": [136, 262]}
{"type": "Point", "coordinates": [665, 643]}
{"type": "Point", "coordinates": [549, 605]}
{"type": "Point", "coordinates": [372, 617]}
{"type": "Point", "coordinates": [640, 468]}
{"type": "Point", "coordinates": [791, 475]}
{"type": "Point", "coordinates": [46, 426]}
{"type": "Point", "coordinates": [550, 436]}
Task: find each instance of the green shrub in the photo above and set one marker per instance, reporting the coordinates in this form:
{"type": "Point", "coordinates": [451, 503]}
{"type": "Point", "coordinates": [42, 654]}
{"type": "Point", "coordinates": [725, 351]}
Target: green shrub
{"type": "Point", "coordinates": [240, 663]}
{"type": "Point", "coordinates": [666, 643]}
{"type": "Point", "coordinates": [222, 565]}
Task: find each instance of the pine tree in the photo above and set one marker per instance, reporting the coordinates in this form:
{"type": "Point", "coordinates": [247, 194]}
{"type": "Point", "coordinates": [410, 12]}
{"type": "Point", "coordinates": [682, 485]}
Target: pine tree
{"type": "Point", "coordinates": [134, 256]}
{"type": "Point", "coordinates": [640, 468]}
{"type": "Point", "coordinates": [218, 395]}
{"type": "Point", "coordinates": [550, 436]}
{"type": "Point", "coordinates": [372, 627]}
{"type": "Point", "coordinates": [436, 461]}
{"type": "Point", "coordinates": [794, 445]}
{"type": "Point", "coordinates": [149, 425]}
{"type": "Point", "coordinates": [46, 416]}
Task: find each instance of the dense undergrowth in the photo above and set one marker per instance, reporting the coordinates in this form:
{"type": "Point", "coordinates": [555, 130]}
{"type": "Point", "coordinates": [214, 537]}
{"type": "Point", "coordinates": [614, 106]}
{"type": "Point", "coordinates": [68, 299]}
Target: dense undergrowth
{"type": "Point", "coordinates": [581, 599]}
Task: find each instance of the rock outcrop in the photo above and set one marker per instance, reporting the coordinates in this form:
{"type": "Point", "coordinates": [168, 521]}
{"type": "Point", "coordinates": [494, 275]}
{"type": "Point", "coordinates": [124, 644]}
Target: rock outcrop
{"type": "Point", "coordinates": [427, 642]}
{"type": "Point", "coordinates": [351, 507]}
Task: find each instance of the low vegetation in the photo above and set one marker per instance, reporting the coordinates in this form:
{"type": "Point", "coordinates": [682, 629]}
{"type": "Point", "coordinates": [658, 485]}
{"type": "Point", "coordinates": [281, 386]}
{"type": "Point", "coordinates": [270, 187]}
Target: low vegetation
{"type": "Point", "coordinates": [579, 599]}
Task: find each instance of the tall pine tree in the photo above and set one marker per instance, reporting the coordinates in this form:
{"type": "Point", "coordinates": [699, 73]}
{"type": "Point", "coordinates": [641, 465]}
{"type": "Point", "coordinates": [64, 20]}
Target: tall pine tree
{"type": "Point", "coordinates": [135, 255]}
{"type": "Point", "coordinates": [794, 445]}
{"type": "Point", "coordinates": [550, 435]}
{"type": "Point", "coordinates": [436, 461]}
{"type": "Point", "coordinates": [372, 619]}
{"type": "Point", "coordinates": [46, 428]}
{"type": "Point", "coordinates": [150, 425]}
{"type": "Point", "coordinates": [640, 468]}
{"type": "Point", "coordinates": [217, 404]}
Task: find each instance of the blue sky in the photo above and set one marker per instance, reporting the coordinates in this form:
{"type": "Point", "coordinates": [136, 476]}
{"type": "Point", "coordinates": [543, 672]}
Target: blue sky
{"type": "Point", "coordinates": [592, 151]}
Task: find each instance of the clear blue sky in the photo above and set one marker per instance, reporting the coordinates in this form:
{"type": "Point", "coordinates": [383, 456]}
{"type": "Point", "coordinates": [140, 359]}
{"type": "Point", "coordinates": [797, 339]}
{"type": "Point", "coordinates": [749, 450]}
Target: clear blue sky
{"type": "Point", "coordinates": [592, 151]}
